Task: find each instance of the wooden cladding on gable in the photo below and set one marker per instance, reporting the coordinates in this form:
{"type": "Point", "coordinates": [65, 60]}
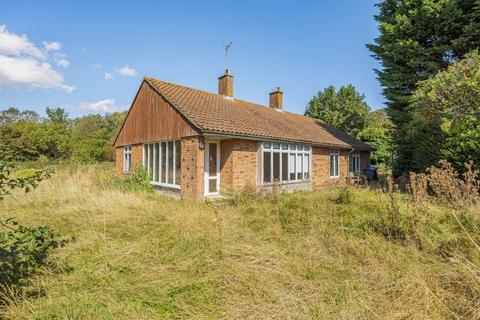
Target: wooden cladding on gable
{"type": "Point", "coordinates": [152, 118]}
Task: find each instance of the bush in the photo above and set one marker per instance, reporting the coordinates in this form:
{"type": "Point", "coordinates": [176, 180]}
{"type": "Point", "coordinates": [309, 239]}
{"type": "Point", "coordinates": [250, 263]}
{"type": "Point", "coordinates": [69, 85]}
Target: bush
{"type": "Point", "coordinates": [23, 250]}
{"type": "Point", "coordinates": [138, 181]}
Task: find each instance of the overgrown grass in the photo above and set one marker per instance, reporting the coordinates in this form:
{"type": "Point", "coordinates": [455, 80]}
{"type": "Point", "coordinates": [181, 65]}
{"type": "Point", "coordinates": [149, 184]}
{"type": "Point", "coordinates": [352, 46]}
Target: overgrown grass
{"type": "Point", "coordinates": [138, 255]}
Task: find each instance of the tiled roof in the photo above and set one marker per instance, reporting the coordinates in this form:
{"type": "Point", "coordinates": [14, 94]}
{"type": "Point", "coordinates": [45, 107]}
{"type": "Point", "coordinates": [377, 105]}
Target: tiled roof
{"type": "Point", "coordinates": [213, 113]}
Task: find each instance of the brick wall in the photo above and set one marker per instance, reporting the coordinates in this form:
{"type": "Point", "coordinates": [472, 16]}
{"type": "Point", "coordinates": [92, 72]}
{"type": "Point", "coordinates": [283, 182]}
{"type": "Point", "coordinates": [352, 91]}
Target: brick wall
{"type": "Point", "coordinates": [136, 158]}
{"type": "Point", "coordinates": [238, 164]}
{"type": "Point", "coordinates": [364, 161]}
{"type": "Point", "coordinates": [192, 169]}
{"type": "Point", "coordinates": [321, 168]}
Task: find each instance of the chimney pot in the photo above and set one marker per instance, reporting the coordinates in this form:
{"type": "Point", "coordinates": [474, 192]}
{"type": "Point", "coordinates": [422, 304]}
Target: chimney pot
{"type": "Point", "coordinates": [225, 84]}
{"type": "Point", "coordinates": [276, 99]}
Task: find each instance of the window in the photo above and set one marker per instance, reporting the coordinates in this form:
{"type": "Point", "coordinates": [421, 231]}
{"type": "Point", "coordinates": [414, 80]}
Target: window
{"type": "Point", "coordinates": [356, 161]}
{"type": "Point", "coordinates": [334, 172]}
{"type": "Point", "coordinates": [163, 162]}
{"type": "Point", "coordinates": [127, 158]}
{"type": "Point", "coordinates": [283, 162]}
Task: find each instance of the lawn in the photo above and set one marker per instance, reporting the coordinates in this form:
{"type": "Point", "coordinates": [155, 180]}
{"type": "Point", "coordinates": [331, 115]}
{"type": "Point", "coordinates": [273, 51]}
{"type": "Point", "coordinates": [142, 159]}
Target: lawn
{"type": "Point", "coordinates": [306, 255]}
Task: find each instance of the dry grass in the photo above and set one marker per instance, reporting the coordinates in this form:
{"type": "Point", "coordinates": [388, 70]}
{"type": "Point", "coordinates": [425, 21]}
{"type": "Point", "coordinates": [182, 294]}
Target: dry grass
{"type": "Point", "coordinates": [300, 256]}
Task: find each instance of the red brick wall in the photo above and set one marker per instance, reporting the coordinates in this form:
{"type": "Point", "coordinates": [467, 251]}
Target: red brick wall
{"type": "Point", "coordinates": [321, 168]}
{"type": "Point", "coordinates": [192, 169]}
{"type": "Point", "coordinates": [238, 164]}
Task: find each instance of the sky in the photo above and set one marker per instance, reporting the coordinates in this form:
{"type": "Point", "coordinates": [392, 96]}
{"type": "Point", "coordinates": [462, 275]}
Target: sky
{"type": "Point", "coordinates": [91, 56]}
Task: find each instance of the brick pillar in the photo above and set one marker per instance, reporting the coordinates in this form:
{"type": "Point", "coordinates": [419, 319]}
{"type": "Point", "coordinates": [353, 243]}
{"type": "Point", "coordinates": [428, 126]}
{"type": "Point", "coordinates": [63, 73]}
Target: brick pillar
{"type": "Point", "coordinates": [192, 169]}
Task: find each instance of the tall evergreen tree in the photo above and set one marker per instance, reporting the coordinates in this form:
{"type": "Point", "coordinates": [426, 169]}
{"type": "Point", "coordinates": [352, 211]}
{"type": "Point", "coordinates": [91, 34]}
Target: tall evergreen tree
{"type": "Point", "coordinates": [417, 39]}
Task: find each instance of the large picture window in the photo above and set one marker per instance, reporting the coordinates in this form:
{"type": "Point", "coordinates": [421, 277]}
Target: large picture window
{"type": "Point", "coordinates": [163, 164]}
{"type": "Point", "coordinates": [127, 159]}
{"type": "Point", "coordinates": [334, 166]}
{"type": "Point", "coordinates": [283, 162]}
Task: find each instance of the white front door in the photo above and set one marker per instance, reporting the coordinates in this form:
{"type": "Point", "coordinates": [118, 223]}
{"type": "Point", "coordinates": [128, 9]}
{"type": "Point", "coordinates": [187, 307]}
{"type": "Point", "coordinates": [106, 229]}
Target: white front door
{"type": "Point", "coordinates": [212, 168]}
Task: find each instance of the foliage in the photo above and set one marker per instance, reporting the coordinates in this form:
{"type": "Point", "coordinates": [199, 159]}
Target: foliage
{"type": "Point", "coordinates": [345, 109]}
{"type": "Point", "coordinates": [93, 135]}
{"type": "Point", "coordinates": [23, 250]}
{"type": "Point", "coordinates": [417, 40]}
{"type": "Point", "coordinates": [26, 137]}
{"type": "Point", "coordinates": [138, 181]}
{"type": "Point", "coordinates": [377, 133]}
{"type": "Point", "coordinates": [445, 113]}
{"type": "Point", "coordinates": [26, 182]}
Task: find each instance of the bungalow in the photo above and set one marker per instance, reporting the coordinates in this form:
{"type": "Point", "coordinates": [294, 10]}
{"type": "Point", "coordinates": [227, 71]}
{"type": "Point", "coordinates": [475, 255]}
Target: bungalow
{"type": "Point", "coordinates": [198, 144]}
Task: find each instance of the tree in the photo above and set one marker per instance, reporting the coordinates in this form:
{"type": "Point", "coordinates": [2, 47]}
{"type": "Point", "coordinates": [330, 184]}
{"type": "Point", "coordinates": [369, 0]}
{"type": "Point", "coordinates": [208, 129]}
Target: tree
{"type": "Point", "coordinates": [417, 40]}
{"type": "Point", "coordinates": [93, 136]}
{"type": "Point", "coordinates": [445, 112]}
{"type": "Point", "coordinates": [378, 135]}
{"type": "Point", "coordinates": [13, 115]}
{"type": "Point", "coordinates": [345, 109]}
{"type": "Point", "coordinates": [57, 115]}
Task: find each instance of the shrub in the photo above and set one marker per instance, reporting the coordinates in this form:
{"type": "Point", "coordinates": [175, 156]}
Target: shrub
{"type": "Point", "coordinates": [344, 196]}
{"type": "Point", "coordinates": [23, 250]}
{"type": "Point", "coordinates": [452, 189]}
{"type": "Point", "coordinates": [138, 181]}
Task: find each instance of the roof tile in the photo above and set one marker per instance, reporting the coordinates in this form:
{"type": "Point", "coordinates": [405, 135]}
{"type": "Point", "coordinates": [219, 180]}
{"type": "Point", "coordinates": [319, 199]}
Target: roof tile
{"type": "Point", "coordinates": [219, 114]}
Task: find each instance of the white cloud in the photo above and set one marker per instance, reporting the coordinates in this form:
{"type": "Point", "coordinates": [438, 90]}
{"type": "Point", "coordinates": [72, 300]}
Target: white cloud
{"type": "Point", "coordinates": [108, 76]}
{"type": "Point", "coordinates": [97, 66]}
{"type": "Point", "coordinates": [105, 105]}
{"type": "Point", "coordinates": [15, 45]}
{"type": "Point", "coordinates": [63, 62]}
{"type": "Point", "coordinates": [23, 64]}
{"type": "Point", "coordinates": [126, 71]}
{"type": "Point", "coordinates": [52, 46]}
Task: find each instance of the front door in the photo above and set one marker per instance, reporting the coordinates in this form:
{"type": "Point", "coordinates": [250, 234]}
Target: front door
{"type": "Point", "coordinates": [212, 168]}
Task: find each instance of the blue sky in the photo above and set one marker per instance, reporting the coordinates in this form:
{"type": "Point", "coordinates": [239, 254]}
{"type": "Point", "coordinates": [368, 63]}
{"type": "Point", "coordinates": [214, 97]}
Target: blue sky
{"type": "Point", "coordinates": [89, 56]}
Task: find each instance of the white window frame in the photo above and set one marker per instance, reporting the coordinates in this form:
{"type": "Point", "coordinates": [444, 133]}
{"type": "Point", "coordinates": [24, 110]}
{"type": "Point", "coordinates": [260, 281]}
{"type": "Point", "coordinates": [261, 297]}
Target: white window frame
{"type": "Point", "coordinates": [127, 158]}
{"type": "Point", "coordinates": [292, 149]}
{"type": "Point", "coordinates": [356, 161]}
{"type": "Point", "coordinates": [207, 176]}
{"type": "Point", "coordinates": [335, 153]}
{"type": "Point", "coordinates": [158, 166]}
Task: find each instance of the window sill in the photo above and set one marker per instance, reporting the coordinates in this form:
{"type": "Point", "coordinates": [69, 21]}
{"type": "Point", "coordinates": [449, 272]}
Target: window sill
{"type": "Point", "coordinates": [166, 185]}
{"type": "Point", "coordinates": [334, 177]}
{"type": "Point", "coordinates": [286, 182]}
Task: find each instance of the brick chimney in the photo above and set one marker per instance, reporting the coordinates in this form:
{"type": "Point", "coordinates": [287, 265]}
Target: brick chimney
{"type": "Point", "coordinates": [225, 84]}
{"type": "Point", "coordinates": [276, 99]}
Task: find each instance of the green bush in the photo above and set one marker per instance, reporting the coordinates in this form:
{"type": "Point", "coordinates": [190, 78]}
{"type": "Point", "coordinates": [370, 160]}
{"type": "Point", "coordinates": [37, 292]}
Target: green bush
{"type": "Point", "coordinates": [138, 181]}
{"type": "Point", "coordinates": [23, 250]}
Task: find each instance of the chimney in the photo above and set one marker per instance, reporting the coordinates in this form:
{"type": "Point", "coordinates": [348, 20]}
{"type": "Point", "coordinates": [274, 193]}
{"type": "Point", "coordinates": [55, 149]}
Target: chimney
{"type": "Point", "coordinates": [276, 99]}
{"type": "Point", "coordinates": [225, 84]}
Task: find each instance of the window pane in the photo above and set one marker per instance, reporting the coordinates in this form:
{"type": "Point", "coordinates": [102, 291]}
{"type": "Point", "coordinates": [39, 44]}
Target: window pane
{"type": "Point", "coordinates": [300, 147]}
{"type": "Point", "coordinates": [284, 146]}
{"type": "Point", "coordinates": [291, 166]}
{"type": "Point", "coordinates": [293, 147]}
{"type": "Point", "coordinates": [178, 162]}
{"type": "Point", "coordinates": [212, 185]}
{"type": "Point", "coordinates": [307, 148]}
{"type": "Point", "coordinates": [267, 145]}
{"type": "Point", "coordinates": [299, 166]}
{"type": "Point", "coordinates": [306, 166]}
{"type": "Point", "coordinates": [212, 160]}
{"type": "Point", "coordinates": [150, 162]}
{"type": "Point", "coordinates": [276, 166]}
{"type": "Point", "coordinates": [157, 158]}
{"type": "Point", "coordinates": [267, 166]}
{"type": "Point", "coordinates": [284, 166]}
{"type": "Point", "coordinates": [170, 161]}
{"type": "Point", "coordinates": [276, 145]}
{"type": "Point", "coordinates": [332, 169]}
{"type": "Point", "coordinates": [164, 162]}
